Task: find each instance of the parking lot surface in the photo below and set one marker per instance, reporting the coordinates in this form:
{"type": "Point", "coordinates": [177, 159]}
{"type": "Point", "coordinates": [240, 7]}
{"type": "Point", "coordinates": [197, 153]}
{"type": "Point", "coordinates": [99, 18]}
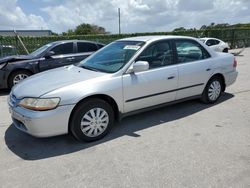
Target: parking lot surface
{"type": "Point", "coordinates": [185, 145]}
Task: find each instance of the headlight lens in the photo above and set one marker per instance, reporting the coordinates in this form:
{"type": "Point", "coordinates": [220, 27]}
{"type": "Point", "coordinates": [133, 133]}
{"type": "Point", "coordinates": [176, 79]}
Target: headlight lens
{"type": "Point", "coordinates": [39, 104]}
{"type": "Point", "coordinates": [2, 65]}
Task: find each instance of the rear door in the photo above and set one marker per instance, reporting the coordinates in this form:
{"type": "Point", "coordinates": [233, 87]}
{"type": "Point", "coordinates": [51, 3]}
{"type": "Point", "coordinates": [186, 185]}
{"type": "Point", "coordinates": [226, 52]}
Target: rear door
{"type": "Point", "coordinates": [194, 67]}
{"type": "Point", "coordinates": [156, 85]}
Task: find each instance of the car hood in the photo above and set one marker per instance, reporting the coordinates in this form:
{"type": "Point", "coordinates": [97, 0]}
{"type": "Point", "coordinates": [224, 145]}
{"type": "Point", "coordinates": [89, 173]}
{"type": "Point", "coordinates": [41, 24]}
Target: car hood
{"type": "Point", "coordinates": [45, 82]}
{"type": "Point", "coordinates": [15, 58]}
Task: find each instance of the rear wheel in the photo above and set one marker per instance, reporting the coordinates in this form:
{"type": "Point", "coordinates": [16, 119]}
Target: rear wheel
{"type": "Point", "coordinates": [225, 50]}
{"type": "Point", "coordinates": [17, 77]}
{"type": "Point", "coordinates": [212, 91]}
{"type": "Point", "coordinates": [92, 120]}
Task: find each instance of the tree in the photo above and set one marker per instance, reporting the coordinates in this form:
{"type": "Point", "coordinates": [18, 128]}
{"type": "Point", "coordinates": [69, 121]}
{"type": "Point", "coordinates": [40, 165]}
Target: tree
{"type": "Point", "coordinates": [203, 27]}
{"type": "Point", "coordinates": [179, 29]}
{"type": "Point", "coordinates": [86, 29]}
{"type": "Point", "coordinates": [54, 34]}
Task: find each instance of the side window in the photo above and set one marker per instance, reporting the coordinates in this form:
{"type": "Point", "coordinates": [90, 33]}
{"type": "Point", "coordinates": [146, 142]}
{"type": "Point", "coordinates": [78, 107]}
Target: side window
{"type": "Point", "coordinates": [216, 42]}
{"type": "Point", "coordinates": [210, 42]}
{"type": "Point", "coordinates": [66, 48]}
{"type": "Point", "coordinates": [189, 51]}
{"type": "Point", "coordinates": [157, 55]}
{"type": "Point", "coordinates": [86, 47]}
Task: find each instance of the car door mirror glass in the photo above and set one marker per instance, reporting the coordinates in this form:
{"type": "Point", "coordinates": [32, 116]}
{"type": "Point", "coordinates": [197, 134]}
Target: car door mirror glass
{"type": "Point", "coordinates": [140, 66]}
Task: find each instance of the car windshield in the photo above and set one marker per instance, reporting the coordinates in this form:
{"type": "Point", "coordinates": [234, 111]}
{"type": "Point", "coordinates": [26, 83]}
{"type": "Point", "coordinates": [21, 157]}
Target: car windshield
{"type": "Point", "coordinates": [112, 57]}
{"type": "Point", "coordinates": [40, 50]}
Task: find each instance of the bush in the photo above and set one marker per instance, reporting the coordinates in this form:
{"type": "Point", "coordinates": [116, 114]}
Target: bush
{"type": "Point", "coordinates": [235, 37]}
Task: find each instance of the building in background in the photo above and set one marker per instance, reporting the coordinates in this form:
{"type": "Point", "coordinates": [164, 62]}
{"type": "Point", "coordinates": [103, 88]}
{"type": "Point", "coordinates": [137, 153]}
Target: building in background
{"type": "Point", "coordinates": [29, 33]}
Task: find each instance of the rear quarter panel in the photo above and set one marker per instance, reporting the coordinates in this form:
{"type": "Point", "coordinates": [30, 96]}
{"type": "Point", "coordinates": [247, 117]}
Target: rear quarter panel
{"type": "Point", "coordinates": [223, 63]}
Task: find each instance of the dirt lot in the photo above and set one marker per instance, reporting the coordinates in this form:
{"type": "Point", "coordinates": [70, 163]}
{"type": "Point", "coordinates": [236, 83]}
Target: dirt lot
{"type": "Point", "coordinates": [184, 145]}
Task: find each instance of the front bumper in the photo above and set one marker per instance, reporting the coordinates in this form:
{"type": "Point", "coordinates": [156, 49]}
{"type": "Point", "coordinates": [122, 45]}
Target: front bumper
{"type": "Point", "coordinates": [41, 123]}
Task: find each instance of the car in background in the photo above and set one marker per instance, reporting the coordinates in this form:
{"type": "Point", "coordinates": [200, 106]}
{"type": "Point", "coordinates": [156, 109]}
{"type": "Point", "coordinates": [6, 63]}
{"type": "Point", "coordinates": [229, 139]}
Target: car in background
{"type": "Point", "coordinates": [123, 78]}
{"type": "Point", "coordinates": [216, 44]}
{"type": "Point", "coordinates": [14, 69]}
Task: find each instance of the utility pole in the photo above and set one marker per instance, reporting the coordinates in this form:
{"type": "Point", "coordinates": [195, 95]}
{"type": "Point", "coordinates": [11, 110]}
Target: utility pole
{"type": "Point", "coordinates": [119, 15]}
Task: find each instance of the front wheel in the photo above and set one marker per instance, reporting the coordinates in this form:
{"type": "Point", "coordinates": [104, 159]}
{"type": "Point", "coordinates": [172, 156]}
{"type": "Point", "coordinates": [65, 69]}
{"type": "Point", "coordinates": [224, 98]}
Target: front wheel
{"type": "Point", "coordinates": [92, 120]}
{"type": "Point", "coordinates": [17, 77]}
{"type": "Point", "coordinates": [212, 91]}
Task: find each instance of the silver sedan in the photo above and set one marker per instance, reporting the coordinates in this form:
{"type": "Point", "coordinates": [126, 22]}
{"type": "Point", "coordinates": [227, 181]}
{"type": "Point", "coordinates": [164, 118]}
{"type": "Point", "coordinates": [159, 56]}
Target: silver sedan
{"type": "Point", "coordinates": [125, 77]}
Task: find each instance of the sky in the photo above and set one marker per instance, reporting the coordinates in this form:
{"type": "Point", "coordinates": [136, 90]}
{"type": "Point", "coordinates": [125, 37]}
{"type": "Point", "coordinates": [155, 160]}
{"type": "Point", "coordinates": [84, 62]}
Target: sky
{"type": "Point", "coordinates": [136, 15]}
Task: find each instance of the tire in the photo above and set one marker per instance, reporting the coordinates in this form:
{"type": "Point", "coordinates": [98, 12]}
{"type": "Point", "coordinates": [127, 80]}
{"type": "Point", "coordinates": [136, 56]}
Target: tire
{"type": "Point", "coordinates": [17, 77]}
{"type": "Point", "coordinates": [85, 124]}
{"type": "Point", "coordinates": [225, 50]}
{"type": "Point", "coordinates": [212, 91]}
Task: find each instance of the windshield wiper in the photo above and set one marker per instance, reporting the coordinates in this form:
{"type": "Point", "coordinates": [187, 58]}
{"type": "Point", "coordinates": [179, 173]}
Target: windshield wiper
{"type": "Point", "coordinates": [90, 68]}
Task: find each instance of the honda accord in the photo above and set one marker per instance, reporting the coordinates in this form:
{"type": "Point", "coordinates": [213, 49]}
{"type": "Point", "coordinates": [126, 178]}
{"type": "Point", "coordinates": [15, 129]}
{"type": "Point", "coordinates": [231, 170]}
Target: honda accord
{"type": "Point", "coordinates": [125, 77]}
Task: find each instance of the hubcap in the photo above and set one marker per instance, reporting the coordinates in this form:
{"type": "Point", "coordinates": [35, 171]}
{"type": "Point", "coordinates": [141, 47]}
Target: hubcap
{"type": "Point", "coordinates": [214, 90]}
{"type": "Point", "coordinates": [94, 122]}
{"type": "Point", "coordinates": [18, 78]}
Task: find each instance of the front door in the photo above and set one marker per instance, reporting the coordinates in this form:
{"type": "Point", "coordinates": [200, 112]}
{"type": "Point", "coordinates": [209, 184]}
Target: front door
{"type": "Point", "coordinates": [63, 55]}
{"type": "Point", "coordinates": [156, 85]}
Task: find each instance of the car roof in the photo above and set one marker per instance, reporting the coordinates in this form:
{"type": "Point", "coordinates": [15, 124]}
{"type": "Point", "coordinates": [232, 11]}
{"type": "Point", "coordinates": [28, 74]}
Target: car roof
{"type": "Point", "coordinates": [66, 41]}
{"type": "Point", "coordinates": [154, 38]}
{"type": "Point", "coordinates": [206, 38]}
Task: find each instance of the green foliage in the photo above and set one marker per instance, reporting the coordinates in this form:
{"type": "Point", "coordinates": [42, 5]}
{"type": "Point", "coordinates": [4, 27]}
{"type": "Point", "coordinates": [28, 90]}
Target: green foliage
{"type": "Point", "coordinates": [214, 26]}
{"type": "Point", "coordinates": [86, 29]}
{"type": "Point", "coordinates": [234, 36]}
{"type": "Point", "coordinates": [179, 29]}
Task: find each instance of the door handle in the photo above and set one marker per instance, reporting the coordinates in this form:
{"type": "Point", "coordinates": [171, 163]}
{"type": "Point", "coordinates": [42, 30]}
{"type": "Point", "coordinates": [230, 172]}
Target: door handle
{"type": "Point", "coordinates": [70, 58]}
{"type": "Point", "coordinates": [171, 77]}
{"type": "Point", "coordinates": [208, 69]}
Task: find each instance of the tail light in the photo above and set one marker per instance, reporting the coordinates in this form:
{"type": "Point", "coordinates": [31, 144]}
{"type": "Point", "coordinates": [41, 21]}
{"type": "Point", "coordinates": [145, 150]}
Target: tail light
{"type": "Point", "coordinates": [235, 63]}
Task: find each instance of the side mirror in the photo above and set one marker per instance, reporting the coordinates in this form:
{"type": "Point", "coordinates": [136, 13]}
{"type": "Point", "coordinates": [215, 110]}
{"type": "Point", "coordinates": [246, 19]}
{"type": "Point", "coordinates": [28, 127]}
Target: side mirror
{"type": "Point", "coordinates": [49, 54]}
{"type": "Point", "coordinates": [139, 66]}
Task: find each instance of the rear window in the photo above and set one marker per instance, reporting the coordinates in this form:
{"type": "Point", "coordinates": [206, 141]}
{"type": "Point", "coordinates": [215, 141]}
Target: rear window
{"type": "Point", "coordinates": [216, 42]}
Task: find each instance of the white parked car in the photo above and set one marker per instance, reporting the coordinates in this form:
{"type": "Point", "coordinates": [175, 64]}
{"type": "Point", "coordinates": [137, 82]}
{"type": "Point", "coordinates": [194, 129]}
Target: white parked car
{"type": "Point", "coordinates": [216, 44]}
{"type": "Point", "coordinates": [127, 76]}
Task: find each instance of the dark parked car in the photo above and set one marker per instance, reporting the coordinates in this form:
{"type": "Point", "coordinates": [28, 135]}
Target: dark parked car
{"type": "Point", "coordinates": [14, 69]}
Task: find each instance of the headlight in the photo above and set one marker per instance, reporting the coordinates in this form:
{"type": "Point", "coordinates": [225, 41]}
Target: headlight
{"type": "Point", "coordinates": [39, 104]}
{"type": "Point", "coordinates": [2, 65]}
